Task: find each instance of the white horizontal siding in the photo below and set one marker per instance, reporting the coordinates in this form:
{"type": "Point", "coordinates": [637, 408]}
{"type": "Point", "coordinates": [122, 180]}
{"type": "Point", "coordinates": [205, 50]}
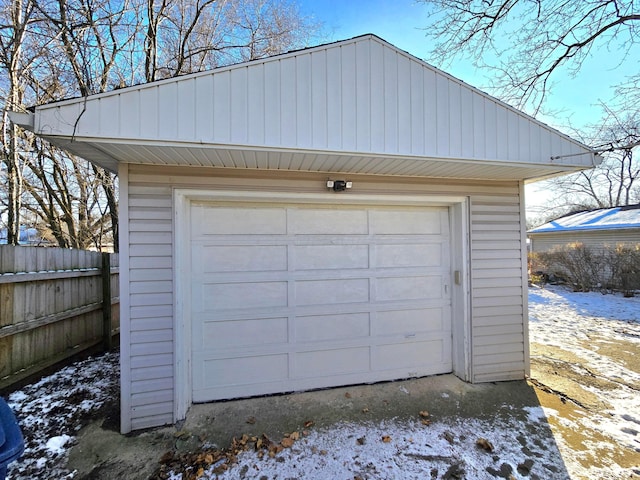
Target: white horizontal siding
{"type": "Point", "coordinates": [361, 95]}
{"type": "Point", "coordinates": [498, 299]}
{"type": "Point", "coordinates": [151, 322]}
{"type": "Point", "coordinates": [543, 242]}
{"type": "Point", "coordinates": [497, 304]}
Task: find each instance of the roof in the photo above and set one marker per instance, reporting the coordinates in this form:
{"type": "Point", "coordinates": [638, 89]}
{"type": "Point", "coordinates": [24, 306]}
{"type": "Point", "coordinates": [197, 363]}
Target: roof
{"type": "Point", "coordinates": [627, 217]}
{"type": "Point", "coordinates": [354, 106]}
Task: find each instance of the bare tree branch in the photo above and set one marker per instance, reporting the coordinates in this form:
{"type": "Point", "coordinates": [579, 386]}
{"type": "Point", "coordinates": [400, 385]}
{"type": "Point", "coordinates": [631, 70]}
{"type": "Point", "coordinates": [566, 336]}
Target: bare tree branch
{"type": "Point", "coordinates": [526, 42]}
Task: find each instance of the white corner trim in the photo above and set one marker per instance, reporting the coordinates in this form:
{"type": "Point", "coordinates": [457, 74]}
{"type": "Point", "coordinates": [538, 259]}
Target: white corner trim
{"type": "Point", "coordinates": [182, 312]}
{"type": "Point", "coordinates": [525, 281]}
{"type": "Point", "coordinates": [125, 319]}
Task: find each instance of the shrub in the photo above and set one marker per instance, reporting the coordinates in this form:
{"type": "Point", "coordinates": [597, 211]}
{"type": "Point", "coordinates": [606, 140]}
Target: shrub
{"type": "Point", "coordinates": [587, 269]}
{"type": "Point", "coordinates": [625, 268]}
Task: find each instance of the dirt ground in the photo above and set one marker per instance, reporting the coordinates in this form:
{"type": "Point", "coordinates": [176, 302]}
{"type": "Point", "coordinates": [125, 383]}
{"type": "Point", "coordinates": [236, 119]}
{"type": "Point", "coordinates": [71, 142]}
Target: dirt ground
{"type": "Point", "coordinates": [566, 382]}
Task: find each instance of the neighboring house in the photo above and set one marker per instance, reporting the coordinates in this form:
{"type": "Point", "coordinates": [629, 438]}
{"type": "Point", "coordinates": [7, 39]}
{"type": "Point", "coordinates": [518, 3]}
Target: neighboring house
{"type": "Point", "coordinates": [593, 229]}
{"type": "Point", "coordinates": [27, 236]}
{"type": "Point", "coordinates": [243, 273]}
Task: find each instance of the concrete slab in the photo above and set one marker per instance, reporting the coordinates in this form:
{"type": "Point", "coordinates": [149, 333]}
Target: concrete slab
{"type": "Point", "coordinates": [102, 454]}
{"type": "Point", "coordinates": [442, 396]}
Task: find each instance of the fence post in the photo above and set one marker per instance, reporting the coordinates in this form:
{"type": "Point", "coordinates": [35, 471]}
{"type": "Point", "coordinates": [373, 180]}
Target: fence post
{"type": "Point", "coordinates": [106, 301]}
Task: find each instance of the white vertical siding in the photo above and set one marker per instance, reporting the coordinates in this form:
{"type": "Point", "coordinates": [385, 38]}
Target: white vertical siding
{"type": "Point", "coordinates": [497, 324]}
{"type": "Point", "coordinates": [359, 95]}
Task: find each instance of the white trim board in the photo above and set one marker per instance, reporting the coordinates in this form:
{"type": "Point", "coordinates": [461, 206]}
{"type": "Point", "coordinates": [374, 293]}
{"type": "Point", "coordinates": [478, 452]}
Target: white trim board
{"type": "Point", "coordinates": [182, 199]}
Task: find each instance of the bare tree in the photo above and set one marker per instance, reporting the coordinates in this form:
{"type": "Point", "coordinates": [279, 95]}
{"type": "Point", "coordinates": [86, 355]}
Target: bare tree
{"type": "Point", "coordinates": [527, 41]}
{"type": "Point", "coordinates": [82, 47]}
{"type": "Point", "coordinates": [615, 182]}
{"type": "Point", "coordinates": [186, 36]}
{"type": "Point", "coordinates": [13, 30]}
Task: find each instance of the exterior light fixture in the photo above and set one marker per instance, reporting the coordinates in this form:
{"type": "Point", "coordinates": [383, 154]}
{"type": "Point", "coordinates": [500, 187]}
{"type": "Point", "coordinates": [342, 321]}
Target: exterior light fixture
{"type": "Point", "coordinates": [339, 185]}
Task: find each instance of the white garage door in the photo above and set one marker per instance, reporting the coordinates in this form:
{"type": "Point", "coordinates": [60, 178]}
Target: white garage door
{"type": "Point", "coordinates": [289, 297]}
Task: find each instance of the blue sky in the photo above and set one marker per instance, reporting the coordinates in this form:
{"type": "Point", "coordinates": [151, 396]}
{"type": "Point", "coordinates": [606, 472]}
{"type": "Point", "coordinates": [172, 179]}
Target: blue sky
{"type": "Point", "coordinates": [403, 23]}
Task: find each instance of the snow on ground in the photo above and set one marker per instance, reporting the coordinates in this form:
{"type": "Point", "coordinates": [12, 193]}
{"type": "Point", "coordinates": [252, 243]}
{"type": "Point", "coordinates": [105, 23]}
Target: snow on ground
{"type": "Point", "coordinates": [52, 410]}
{"type": "Point", "coordinates": [406, 450]}
{"type": "Point", "coordinates": [604, 332]}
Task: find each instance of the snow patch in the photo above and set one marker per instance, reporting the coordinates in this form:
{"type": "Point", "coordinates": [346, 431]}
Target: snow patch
{"type": "Point", "coordinates": [55, 445]}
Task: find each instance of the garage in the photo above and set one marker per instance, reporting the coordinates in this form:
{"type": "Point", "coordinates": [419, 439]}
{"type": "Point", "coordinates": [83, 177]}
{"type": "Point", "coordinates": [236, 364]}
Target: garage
{"type": "Point", "coordinates": [243, 273]}
{"type": "Point", "coordinates": [288, 297]}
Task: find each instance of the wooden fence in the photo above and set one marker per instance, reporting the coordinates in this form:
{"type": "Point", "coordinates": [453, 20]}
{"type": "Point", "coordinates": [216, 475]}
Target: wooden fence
{"type": "Point", "coordinates": [51, 307]}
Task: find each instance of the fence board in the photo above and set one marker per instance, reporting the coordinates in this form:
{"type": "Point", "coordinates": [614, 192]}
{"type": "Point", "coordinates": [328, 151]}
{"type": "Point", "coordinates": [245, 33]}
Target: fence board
{"type": "Point", "coordinates": [51, 307]}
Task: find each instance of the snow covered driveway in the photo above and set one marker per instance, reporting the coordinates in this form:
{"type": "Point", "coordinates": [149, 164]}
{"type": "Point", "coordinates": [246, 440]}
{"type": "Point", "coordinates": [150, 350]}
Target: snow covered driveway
{"type": "Point", "coordinates": [585, 359]}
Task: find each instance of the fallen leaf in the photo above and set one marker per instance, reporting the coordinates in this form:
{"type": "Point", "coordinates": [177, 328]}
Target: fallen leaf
{"type": "Point", "coordinates": [259, 444]}
{"type": "Point", "coordinates": [287, 442]}
{"type": "Point", "coordinates": [266, 440]}
{"type": "Point", "coordinates": [365, 410]}
{"type": "Point", "coordinates": [200, 472]}
{"type": "Point", "coordinates": [208, 459]}
{"type": "Point", "coordinates": [424, 414]}
{"type": "Point", "coordinates": [295, 436]}
{"type": "Point", "coordinates": [309, 423]}
{"type": "Point", "coordinates": [347, 395]}
{"type": "Point", "coordinates": [386, 438]}
{"type": "Point", "coordinates": [361, 440]}
{"type": "Point", "coordinates": [485, 444]}
{"type": "Point", "coordinates": [425, 421]}
{"type": "Point", "coordinates": [251, 420]}
{"type": "Point", "coordinates": [167, 457]}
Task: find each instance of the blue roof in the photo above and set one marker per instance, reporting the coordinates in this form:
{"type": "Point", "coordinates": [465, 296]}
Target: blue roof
{"type": "Point", "coordinates": [604, 219]}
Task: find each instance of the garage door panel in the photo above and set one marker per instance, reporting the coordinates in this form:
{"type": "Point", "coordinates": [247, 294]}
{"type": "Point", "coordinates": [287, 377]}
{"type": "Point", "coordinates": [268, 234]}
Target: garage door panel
{"type": "Point", "coordinates": [322, 363]}
{"type": "Point", "coordinates": [407, 322]}
{"type": "Point", "coordinates": [326, 221]}
{"type": "Point", "coordinates": [243, 370]}
{"type": "Point", "coordinates": [219, 334]}
{"type": "Point", "coordinates": [321, 292]}
{"type": "Point", "coordinates": [321, 328]}
{"type": "Point", "coordinates": [245, 258]}
{"type": "Point", "coordinates": [411, 222]}
{"type": "Point", "coordinates": [394, 256]}
{"type": "Point", "coordinates": [331, 257]}
{"type": "Point", "coordinates": [217, 296]}
{"type": "Point", "coordinates": [211, 220]}
{"type": "Point", "coordinates": [409, 355]}
{"type": "Point", "coordinates": [409, 288]}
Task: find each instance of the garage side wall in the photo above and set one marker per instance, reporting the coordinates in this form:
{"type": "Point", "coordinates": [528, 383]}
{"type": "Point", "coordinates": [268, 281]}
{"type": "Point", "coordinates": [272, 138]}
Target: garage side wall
{"type": "Point", "coordinates": [498, 298]}
{"type": "Point", "coordinates": [497, 343]}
